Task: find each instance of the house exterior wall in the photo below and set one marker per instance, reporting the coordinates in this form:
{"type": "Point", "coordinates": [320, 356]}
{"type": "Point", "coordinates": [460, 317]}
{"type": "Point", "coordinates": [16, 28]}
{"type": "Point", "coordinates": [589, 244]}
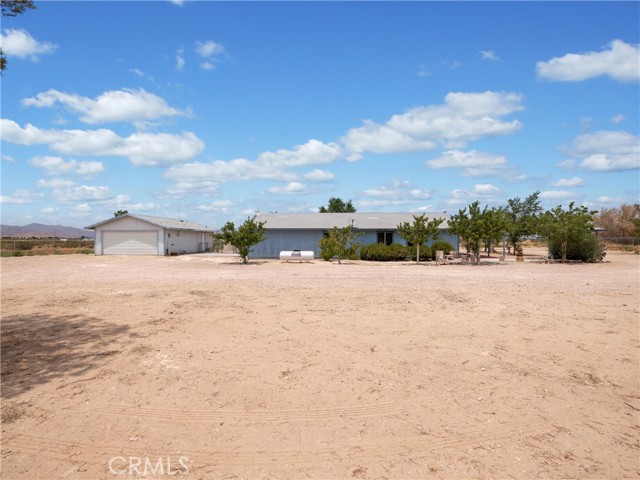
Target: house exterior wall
{"type": "Point", "coordinates": [294, 239]}
{"type": "Point", "coordinates": [186, 241]}
{"type": "Point", "coordinates": [179, 241]}
{"type": "Point", "coordinates": [298, 239]}
{"type": "Point", "coordinates": [125, 224]}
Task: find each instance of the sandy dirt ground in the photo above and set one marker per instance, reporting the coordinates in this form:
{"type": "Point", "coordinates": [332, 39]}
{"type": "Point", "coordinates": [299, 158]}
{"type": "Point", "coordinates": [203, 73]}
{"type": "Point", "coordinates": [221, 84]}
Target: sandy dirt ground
{"type": "Point", "coordinates": [206, 368]}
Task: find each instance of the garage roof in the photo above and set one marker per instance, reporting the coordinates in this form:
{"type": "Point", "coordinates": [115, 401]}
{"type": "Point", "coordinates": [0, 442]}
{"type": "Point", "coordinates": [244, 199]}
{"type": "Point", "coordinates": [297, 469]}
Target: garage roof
{"type": "Point", "coordinates": [324, 221]}
{"type": "Point", "coordinates": [164, 222]}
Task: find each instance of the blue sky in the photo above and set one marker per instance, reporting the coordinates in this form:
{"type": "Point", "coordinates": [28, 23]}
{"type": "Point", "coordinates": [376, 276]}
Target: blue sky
{"type": "Point", "coordinates": [213, 111]}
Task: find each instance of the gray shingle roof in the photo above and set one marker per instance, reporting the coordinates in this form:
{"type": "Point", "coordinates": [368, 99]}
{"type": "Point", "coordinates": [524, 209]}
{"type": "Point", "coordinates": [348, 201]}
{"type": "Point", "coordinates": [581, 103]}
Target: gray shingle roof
{"type": "Point", "coordinates": [165, 222]}
{"type": "Point", "coordinates": [324, 221]}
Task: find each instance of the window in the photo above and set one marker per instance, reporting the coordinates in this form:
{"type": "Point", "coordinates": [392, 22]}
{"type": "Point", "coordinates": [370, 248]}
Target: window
{"type": "Point", "coordinates": [385, 237]}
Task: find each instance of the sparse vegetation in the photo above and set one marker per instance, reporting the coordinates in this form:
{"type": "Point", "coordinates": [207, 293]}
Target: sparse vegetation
{"type": "Point", "coordinates": [569, 236]}
{"type": "Point", "coordinates": [446, 247]}
{"type": "Point", "coordinates": [247, 235]}
{"type": "Point", "coordinates": [379, 252]}
{"type": "Point", "coordinates": [340, 243]}
{"type": "Point", "coordinates": [419, 232]}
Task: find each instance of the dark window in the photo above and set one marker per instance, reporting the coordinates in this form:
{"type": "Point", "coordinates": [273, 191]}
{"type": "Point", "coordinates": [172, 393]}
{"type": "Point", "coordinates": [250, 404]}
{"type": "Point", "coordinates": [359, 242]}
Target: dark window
{"type": "Point", "coordinates": [385, 237]}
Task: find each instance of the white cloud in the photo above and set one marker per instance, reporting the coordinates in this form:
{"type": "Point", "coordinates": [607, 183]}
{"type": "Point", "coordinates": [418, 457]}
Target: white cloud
{"type": "Point", "coordinates": [19, 197]}
{"type": "Point", "coordinates": [55, 183]}
{"type": "Point", "coordinates": [489, 55]}
{"type": "Point", "coordinates": [464, 117]}
{"type": "Point", "coordinates": [422, 209]}
{"type": "Point", "coordinates": [141, 74]}
{"type": "Point", "coordinates": [291, 188]}
{"type": "Point", "coordinates": [268, 166]}
{"type": "Point", "coordinates": [7, 158]}
{"type": "Point", "coordinates": [49, 210]}
{"type": "Point", "coordinates": [607, 151]}
{"type": "Point", "coordinates": [620, 62]}
{"type": "Point", "coordinates": [179, 3]}
{"type": "Point", "coordinates": [82, 193]}
{"type": "Point", "coordinates": [209, 49]}
{"type": "Point", "coordinates": [57, 166]}
{"type": "Point", "coordinates": [211, 52]}
{"type": "Point", "coordinates": [485, 191]}
{"type": "Point", "coordinates": [219, 206]}
{"type": "Point", "coordinates": [611, 200]}
{"type": "Point", "coordinates": [113, 106]}
{"type": "Point", "coordinates": [19, 43]}
{"type": "Point", "coordinates": [556, 195]}
{"type": "Point", "coordinates": [569, 182]}
{"type": "Point", "coordinates": [424, 71]}
{"type": "Point", "coordinates": [318, 175]}
{"type": "Point", "coordinates": [568, 164]}
{"type": "Point", "coordinates": [142, 149]}
{"type": "Point", "coordinates": [618, 118]}
{"type": "Point", "coordinates": [393, 193]}
{"type": "Point", "coordinates": [82, 208]}
{"type": "Point", "coordinates": [180, 61]}
{"type": "Point", "coordinates": [472, 162]}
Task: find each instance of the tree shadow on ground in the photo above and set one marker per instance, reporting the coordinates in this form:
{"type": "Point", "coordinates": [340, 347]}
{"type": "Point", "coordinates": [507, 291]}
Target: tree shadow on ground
{"type": "Point", "coordinates": [40, 348]}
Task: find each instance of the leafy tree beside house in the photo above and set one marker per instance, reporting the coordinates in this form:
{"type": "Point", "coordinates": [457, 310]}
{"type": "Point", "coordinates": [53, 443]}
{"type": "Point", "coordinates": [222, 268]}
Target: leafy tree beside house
{"type": "Point", "coordinates": [340, 242]}
{"type": "Point", "coordinates": [476, 225]}
{"type": "Point", "coordinates": [523, 218]}
{"type": "Point", "coordinates": [243, 238]}
{"type": "Point", "coordinates": [119, 213]}
{"type": "Point", "coordinates": [420, 231]}
{"type": "Point", "coordinates": [337, 205]}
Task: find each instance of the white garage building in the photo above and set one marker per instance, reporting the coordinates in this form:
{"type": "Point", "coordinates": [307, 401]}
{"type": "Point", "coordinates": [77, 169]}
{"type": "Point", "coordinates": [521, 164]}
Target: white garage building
{"type": "Point", "coordinates": [131, 234]}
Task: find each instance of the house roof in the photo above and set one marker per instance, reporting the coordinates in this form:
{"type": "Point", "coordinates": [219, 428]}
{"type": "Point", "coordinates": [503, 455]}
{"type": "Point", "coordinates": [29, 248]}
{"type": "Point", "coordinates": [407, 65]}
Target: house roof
{"type": "Point", "coordinates": [164, 222]}
{"type": "Point", "coordinates": [324, 221]}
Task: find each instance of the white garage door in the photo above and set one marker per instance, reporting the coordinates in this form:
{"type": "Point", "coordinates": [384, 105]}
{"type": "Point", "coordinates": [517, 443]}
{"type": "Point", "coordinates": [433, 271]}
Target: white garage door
{"type": "Point", "coordinates": [130, 243]}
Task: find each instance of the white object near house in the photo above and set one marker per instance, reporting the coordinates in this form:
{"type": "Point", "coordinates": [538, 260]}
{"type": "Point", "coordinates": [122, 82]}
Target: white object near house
{"type": "Point", "coordinates": [131, 234]}
{"type": "Point", "coordinates": [299, 255]}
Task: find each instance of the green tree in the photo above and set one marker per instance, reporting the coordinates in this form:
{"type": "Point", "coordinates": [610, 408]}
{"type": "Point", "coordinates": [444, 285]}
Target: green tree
{"type": "Point", "coordinates": [12, 8]}
{"type": "Point", "coordinates": [247, 235]}
{"type": "Point", "coordinates": [340, 242]}
{"type": "Point", "coordinates": [476, 225]}
{"type": "Point", "coordinates": [119, 213]}
{"type": "Point", "coordinates": [337, 205]}
{"type": "Point", "coordinates": [420, 231]}
{"type": "Point", "coordinates": [497, 223]}
{"type": "Point", "coordinates": [567, 227]}
{"type": "Point", "coordinates": [523, 218]}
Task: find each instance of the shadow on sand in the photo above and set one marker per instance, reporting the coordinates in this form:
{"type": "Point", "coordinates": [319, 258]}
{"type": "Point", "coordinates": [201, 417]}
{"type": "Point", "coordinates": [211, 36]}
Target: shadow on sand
{"type": "Point", "coordinates": [40, 348]}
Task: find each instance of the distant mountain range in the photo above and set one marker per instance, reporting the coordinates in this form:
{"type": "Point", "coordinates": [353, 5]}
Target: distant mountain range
{"type": "Point", "coordinates": [40, 230]}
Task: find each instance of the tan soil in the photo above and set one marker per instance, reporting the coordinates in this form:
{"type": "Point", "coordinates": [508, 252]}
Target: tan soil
{"type": "Point", "coordinates": [319, 370]}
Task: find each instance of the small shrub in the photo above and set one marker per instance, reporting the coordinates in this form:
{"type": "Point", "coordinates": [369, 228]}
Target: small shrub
{"type": "Point", "coordinates": [586, 248]}
{"type": "Point", "coordinates": [18, 253]}
{"type": "Point", "coordinates": [425, 252]}
{"type": "Point", "coordinates": [379, 252]}
{"type": "Point", "coordinates": [326, 250]}
{"type": "Point", "coordinates": [446, 247]}
{"type": "Point", "coordinates": [85, 251]}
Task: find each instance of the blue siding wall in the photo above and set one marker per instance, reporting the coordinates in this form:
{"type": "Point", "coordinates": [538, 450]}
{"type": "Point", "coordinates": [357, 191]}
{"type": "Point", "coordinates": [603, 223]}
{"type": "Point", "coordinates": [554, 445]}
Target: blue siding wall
{"type": "Point", "coordinates": [278, 240]}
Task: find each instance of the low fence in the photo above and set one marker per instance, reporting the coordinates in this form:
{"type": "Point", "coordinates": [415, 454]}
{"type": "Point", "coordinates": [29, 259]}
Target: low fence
{"type": "Point", "coordinates": [631, 241]}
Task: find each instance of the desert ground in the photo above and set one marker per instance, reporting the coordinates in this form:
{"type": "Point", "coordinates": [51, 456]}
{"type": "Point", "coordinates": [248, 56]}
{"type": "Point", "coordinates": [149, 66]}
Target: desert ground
{"type": "Point", "coordinates": [205, 368]}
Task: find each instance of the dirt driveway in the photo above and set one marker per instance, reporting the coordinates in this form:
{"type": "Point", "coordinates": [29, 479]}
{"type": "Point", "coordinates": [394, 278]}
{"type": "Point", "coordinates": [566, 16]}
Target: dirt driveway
{"type": "Point", "coordinates": [206, 368]}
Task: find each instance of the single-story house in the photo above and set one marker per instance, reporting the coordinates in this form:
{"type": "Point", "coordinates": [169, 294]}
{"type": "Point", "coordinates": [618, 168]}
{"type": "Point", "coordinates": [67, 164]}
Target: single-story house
{"type": "Point", "coordinates": [131, 234]}
{"type": "Point", "coordinates": [303, 231]}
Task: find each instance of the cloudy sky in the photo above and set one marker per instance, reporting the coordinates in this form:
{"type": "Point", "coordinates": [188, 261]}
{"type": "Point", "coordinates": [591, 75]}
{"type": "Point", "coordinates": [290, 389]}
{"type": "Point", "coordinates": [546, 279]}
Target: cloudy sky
{"type": "Point", "coordinates": [213, 111]}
